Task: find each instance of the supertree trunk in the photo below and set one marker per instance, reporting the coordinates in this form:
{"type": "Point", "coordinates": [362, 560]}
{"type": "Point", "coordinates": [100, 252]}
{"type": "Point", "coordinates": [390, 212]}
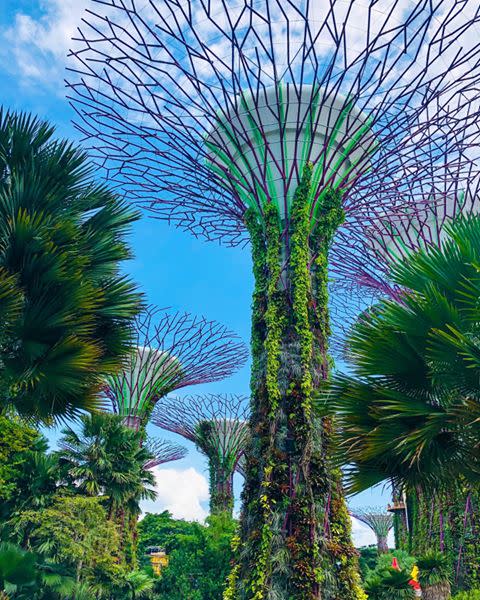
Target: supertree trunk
{"type": "Point", "coordinates": [221, 491]}
{"type": "Point", "coordinates": [382, 544]}
{"type": "Point", "coordinates": [448, 523]}
{"type": "Point", "coordinates": [291, 496]}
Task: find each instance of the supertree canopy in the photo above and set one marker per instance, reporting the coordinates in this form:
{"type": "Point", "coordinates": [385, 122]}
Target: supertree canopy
{"type": "Point", "coordinates": [296, 124]}
{"type": "Point", "coordinates": [379, 521]}
{"type": "Point", "coordinates": [422, 226]}
{"type": "Point", "coordinates": [172, 351]}
{"type": "Point", "coordinates": [163, 452]}
{"type": "Point", "coordinates": [217, 424]}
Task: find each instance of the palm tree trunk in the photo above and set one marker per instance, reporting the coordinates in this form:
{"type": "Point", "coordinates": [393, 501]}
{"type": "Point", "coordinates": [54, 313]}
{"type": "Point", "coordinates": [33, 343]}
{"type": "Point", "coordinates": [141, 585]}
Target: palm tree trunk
{"type": "Point", "coordinates": [439, 591]}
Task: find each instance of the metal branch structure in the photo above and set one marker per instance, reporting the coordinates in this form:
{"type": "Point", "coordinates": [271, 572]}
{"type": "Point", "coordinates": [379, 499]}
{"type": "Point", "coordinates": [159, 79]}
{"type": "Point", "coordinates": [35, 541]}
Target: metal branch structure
{"type": "Point", "coordinates": [379, 521]}
{"type": "Point", "coordinates": [296, 125]}
{"type": "Point", "coordinates": [217, 425]}
{"type": "Point", "coordinates": [173, 350]}
{"type": "Point", "coordinates": [422, 226]}
{"type": "Point", "coordinates": [163, 452]}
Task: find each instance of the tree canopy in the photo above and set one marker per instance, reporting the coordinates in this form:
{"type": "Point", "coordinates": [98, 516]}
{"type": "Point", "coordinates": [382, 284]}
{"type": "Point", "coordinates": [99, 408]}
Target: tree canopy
{"type": "Point", "coordinates": [64, 305]}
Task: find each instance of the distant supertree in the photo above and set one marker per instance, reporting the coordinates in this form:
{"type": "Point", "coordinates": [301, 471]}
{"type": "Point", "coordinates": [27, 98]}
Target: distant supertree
{"type": "Point", "coordinates": [163, 452]}
{"type": "Point", "coordinates": [172, 351]}
{"type": "Point", "coordinates": [379, 521]}
{"type": "Point", "coordinates": [291, 122]}
{"type": "Point", "coordinates": [217, 424]}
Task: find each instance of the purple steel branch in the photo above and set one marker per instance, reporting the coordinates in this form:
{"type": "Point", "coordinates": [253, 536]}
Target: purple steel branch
{"type": "Point", "coordinates": [163, 452]}
{"type": "Point", "coordinates": [189, 350]}
{"type": "Point", "coordinates": [152, 83]}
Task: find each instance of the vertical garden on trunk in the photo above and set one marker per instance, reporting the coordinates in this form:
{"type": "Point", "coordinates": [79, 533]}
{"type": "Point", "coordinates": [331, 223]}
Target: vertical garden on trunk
{"type": "Point", "coordinates": [295, 527]}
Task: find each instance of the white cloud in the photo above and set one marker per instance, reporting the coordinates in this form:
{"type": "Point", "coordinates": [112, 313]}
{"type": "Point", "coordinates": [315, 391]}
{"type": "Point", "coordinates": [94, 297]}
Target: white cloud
{"type": "Point", "coordinates": [362, 535]}
{"type": "Point", "coordinates": [39, 46]}
{"type": "Point", "coordinates": [180, 491]}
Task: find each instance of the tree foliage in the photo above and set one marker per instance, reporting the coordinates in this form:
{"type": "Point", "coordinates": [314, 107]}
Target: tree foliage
{"type": "Point", "coordinates": [105, 457]}
{"type": "Point", "coordinates": [199, 555]}
{"type": "Point", "coordinates": [409, 412]}
{"type": "Point", "coordinates": [74, 531]}
{"type": "Point", "coordinates": [16, 440]}
{"type": "Point", "coordinates": [65, 307]}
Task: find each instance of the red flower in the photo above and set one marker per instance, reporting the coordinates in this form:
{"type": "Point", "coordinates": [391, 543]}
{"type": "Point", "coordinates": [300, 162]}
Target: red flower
{"type": "Point", "coordinates": [415, 585]}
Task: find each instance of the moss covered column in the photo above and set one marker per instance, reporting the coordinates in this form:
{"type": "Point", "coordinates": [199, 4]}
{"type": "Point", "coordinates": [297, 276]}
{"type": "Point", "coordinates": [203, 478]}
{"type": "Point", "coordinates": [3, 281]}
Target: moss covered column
{"type": "Point", "coordinates": [448, 522]}
{"type": "Point", "coordinates": [294, 538]}
{"type": "Point", "coordinates": [221, 490]}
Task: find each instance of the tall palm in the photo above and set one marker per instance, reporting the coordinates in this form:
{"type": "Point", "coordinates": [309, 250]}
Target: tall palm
{"type": "Point", "coordinates": [409, 412]}
{"type": "Point", "coordinates": [64, 306]}
{"type": "Point", "coordinates": [106, 458]}
{"type": "Point", "coordinates": [434, 576]}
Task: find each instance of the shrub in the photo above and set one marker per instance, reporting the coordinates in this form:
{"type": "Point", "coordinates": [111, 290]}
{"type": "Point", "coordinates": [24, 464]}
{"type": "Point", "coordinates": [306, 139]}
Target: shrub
{"type": "Point", "coordinates": [471, 595]}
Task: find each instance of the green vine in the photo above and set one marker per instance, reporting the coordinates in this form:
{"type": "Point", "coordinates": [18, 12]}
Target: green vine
{"type": "Point", "coordinates": [274, 319]}
{"type": "Point", "coordinates": [447, 523]}
{"type": "Point", "coordinates": [259, 260]}
{"type": "Point", "coordinates": [230, 589]}
{"type": "Point", "coordinates": [329, 216]}
{"type": "Point", "coordinates": [300, 281]}
{"type": "Point", "coordinates": [284, 547]}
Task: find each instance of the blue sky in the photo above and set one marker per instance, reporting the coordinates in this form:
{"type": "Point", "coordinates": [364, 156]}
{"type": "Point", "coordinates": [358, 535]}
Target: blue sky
{"type": "Point", "coordinates": [171, 267]}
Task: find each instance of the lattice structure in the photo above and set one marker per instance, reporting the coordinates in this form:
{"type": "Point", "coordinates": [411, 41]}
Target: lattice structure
{"type": "Point", "coordinates": [422, 226]}
{"type": "Point", "coordinates": [201, 110]}
{"type": "Point", "coordinates": [173, 350]}
{"type": "Point", "coordinates": [379, 521]}
{"type": "Point", "coordinates": [217, 424]}
{"type": "Point", "coordinates": [163, 452]}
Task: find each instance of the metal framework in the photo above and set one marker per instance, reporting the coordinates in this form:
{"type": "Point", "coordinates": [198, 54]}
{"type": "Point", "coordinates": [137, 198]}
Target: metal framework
{"type": "Point", "coordinates": [209, 113]}
{"type": "Point", "coordinates": [422, 226]}
{"type": "Point", "coordinates": [379, 521]}
{"type": "Point", "coordinates": [172, 351]}
{"type": "Point", "coordinates": [163, 452]}
{"type": "Point", "coordinates": [217, 425]}
{"type": "Point", "coordinates": [200, 110]}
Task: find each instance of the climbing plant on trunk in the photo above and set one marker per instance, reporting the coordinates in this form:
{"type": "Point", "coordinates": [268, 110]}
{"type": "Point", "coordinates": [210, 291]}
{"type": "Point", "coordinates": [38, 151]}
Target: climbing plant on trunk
{"type": "Point", "coordinates": [295, 519]}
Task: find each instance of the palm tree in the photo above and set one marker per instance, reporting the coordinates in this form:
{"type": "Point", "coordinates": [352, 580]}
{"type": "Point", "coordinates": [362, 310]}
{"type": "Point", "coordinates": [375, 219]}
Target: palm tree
{"type": "Point", "coordinates": [65, 308]}
{"type": "Point", "coordinates": [389, 585]}
{"type": "Point", "coordinates": [106, 458]}
{"type": "Point", "coordinates": [434, 574]}
{"type": "Point", "coordinates": [409, 412]}
{"type": "Point", "coordinates": [17, 567]}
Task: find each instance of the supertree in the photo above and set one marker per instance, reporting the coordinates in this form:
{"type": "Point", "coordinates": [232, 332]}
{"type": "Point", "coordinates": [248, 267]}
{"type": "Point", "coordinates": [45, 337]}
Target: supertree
{"type": "Point", "coordinates": [379, 521]}
{"type": "Point", "coordinates": [291, 123]}
{"type": "Point", "coordinates": [172, 350]}
{"type": "Point", "coordinates": [217, 424]}
{"type": "Point", "coordinates": [163, 452]}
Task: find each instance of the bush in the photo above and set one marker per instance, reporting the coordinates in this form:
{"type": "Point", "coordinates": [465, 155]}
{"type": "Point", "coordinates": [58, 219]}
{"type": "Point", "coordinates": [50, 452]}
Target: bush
{"type": "Point", "coordinates": [405, 561]}
{"type": "Point", "coordinates": [389, 584]}
{"type": "Point", "coordinates": [368, 559]}
{"type": "Point", "coordinates": [471, 595]}
{"type": "Point", "coordinates": [199, 555]}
